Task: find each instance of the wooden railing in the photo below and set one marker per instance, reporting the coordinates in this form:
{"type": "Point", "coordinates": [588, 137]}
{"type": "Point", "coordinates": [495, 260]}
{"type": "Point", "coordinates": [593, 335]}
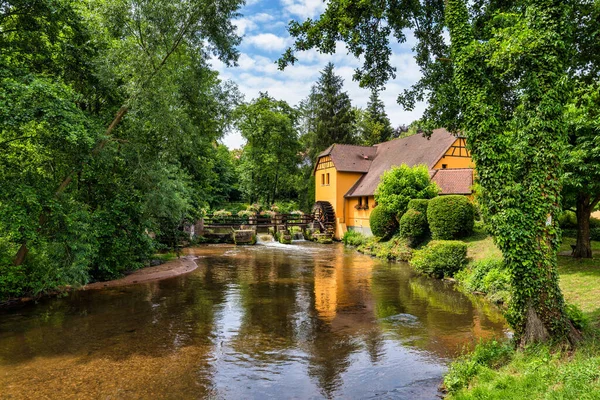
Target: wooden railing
{"type": "Point", "coordinates": [258, 220]}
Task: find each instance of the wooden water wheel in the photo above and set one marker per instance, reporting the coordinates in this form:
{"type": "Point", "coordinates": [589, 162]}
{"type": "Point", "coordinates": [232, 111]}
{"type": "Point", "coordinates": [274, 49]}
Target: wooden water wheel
{"type": "Point", "coordinates": [324, 215]}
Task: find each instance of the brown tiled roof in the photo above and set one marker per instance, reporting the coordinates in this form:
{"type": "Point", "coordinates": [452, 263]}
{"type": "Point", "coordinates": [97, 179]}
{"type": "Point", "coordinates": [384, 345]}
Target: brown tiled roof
{"type": "Point", "coordinates": [349, 158]}
{"type": "Point", "coordinates": [454, 181]}
{"type": "Point", "coordinates": [412, 150]}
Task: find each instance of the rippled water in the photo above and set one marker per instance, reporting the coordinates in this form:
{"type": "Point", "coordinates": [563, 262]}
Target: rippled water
{"type": "Point", "coordinates": [267, 321]}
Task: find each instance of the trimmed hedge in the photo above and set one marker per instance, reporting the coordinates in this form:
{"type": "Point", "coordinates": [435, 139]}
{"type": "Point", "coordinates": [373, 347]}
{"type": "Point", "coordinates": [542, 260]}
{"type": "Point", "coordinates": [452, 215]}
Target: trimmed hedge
{"type": "Point", "coordinates": [383, 222]}
{"type": "Point", "coordinates": [413, 226]}
{"type": "Point", "coordinates": [419, 205]}
{"type": "Point", "coordinates": [440, 258]}
{"type": "Point", "coordinates": [450, 217]}
{"type": "Point", "coordinates": [572, 233]}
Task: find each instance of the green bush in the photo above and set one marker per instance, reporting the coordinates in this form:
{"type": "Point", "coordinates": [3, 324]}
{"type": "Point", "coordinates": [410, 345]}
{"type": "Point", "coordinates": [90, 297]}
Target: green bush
{"type": "Point", "coordinates": [413, 226]}
{"type": "Point", "coordinates": [419, 205]}
{"type": "Point", "coordinates": [577, 317]}
{"type": "Point", "coordinates": [572, 233]}
{"type": "Point", "coordinates": [492, 354]}
{"type": "Point", "coordinates": [401, 184]}
{"type": "Point", "coordinates": [383, 222]}
{"type": "Point", "coordinates": [567, 220]}
{"type": "Point", "coordinates": [440, 258]}
{"type": "Point", "coordinates": [486, 276]}
{"type": "Point", "coordinates": [353, 238]}
{"type": "Point", "coordinates": [450, 217]}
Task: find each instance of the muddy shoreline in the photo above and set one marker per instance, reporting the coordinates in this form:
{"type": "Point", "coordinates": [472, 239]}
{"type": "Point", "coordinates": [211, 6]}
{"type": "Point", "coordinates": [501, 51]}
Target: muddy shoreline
{"type": "Point", "coordinates": [170, 269]}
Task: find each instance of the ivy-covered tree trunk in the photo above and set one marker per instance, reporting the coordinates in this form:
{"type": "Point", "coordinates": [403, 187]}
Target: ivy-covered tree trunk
{"type": "Point", "coordinates": [583, 247]}
{"type": "Point", "coordinates": [518, 154]}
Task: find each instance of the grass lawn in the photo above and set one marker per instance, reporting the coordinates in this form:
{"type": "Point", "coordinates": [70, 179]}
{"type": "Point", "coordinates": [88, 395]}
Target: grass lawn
{"type": "Point", "coordinates": [496, 371]}
{"type": "Point", "coordinates": [580, 280]}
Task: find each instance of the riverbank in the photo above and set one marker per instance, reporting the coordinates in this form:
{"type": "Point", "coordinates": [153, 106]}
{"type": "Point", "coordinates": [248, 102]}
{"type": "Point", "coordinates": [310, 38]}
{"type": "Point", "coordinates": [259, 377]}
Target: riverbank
{"type": "Point", "coordinates": [170, 269]}
{"type": "Point", "coordinates": [494, 370]}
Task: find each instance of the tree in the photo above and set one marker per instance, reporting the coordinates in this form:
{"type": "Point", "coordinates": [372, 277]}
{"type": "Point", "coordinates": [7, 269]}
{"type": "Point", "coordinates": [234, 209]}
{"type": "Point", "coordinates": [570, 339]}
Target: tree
{"type": "Point", "coordinates": [401, 184]}
{"type": "Point", "coordinates": [329, 115]}
{"type": "Point", "coordinates": [77, 198]}
{"type": "Point", "coordinates": [501, 83]}
{"type": "Point", "coordinates": [270, 155]}
{"type": "Point", "coordinates": [582, 169]}
{"type": "Point", "coordinates": [375, 126]}
{"type": "Point", "coordinates": [143, 39]}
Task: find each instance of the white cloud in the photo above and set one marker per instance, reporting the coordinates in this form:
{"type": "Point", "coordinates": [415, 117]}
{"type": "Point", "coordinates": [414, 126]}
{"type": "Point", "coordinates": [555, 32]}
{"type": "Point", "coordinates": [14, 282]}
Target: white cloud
{"type": "Point", "coordinates": [304, 8]}
{"type": "Point", "coordinates": [244, 25]}
{"type": "Point", "coordinates": [267, 42]}
{"type": "Point", "coordinates": [263, 17]}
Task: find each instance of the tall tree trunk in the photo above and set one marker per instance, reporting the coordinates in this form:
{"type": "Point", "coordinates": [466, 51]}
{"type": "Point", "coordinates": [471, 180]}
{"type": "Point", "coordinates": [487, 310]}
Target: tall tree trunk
{"type": "Point", "coordinates": [583, 247]}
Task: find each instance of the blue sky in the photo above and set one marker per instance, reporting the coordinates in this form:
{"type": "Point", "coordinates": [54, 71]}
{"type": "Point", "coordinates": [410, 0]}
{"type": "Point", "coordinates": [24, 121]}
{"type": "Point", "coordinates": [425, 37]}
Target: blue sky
{"type": "Point", "coordinates": [263, 26]}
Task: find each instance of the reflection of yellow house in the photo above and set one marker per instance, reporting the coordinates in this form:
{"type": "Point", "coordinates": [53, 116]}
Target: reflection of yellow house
{"type": "Point", "coordinates": [346, 176]}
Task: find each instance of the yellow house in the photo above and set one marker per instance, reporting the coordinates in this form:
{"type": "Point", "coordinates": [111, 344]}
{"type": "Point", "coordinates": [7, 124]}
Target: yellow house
{"type": "Point", "coordinates": [346, 176]}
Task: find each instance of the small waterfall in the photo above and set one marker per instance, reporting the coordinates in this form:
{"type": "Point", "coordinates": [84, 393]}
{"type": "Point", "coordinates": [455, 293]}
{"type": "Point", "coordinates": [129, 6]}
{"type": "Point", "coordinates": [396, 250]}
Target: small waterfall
{"type": "Point", "coordinates": [263, 238]}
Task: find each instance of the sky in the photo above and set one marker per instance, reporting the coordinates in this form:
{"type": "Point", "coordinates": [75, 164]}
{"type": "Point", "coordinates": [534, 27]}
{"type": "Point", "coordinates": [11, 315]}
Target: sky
{"type": "Point", "coordinates": [263, 25]}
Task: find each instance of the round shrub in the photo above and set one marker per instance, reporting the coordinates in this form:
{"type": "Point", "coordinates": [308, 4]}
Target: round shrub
{"type": "Point", "coordinates": [401, 184]}
{"type": "Point", "coordinates": [413, 226]}
{"type": "Point", "coordinates": [440, 258]}
{"type": "Point", "coordinates": [450, 217]}
{"type": "Point", "coordinates": [383, 222]}
{"type": "Point", "coordinates": [419, 205]}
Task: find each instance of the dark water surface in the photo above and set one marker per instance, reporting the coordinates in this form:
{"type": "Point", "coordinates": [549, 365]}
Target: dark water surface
{"type": "Point", "coordinates": [268, 321]}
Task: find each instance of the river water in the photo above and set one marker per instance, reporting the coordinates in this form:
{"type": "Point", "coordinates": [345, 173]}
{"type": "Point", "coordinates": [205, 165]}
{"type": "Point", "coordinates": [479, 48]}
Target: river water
{"type": "Point", "coordinates": [262, 322]}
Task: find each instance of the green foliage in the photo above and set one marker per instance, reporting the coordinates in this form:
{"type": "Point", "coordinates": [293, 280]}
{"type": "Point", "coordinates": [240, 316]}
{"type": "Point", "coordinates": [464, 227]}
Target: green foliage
{"type": "Point", "coordinates": [102, 134]}
{"type": "Point", "coordinates": [401, 184]}
{"type": "Point", "coordinates": [328, 114]}
{"type": "Point", "coordinates": [394, 249]}
{"type": "Point", "coordinates": [450, 217]}
{"type": "Point", "coordinates": [373, 124]}
{"type": "Point", "coordinates": [488, 276]}
{"type": "Point", "coordinates": [383, 223]}
{"type": "Point", "coordinates": [269, 159]}
{"type": "Point", "coordinates": [491, 354]}
{"type": "Point", "coordinates": [353, 238]}
{"type": "Point", "coordinates": [420, 205]}
{"type": "Point", "coordinates": [413, 226]}
{"type": "Point", "coordinates": [577, 317]}
{"type": "Point", "coordinates": [594, 233]}
{"type": "Point", "coordinates": [440, 258]}
{"type": "Point", "coordinates": [537, 372]}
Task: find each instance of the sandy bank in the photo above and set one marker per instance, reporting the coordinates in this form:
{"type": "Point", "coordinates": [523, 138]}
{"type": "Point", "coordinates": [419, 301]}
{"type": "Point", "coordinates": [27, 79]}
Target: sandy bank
{"type": "Point", "coordinates": [169, 269]}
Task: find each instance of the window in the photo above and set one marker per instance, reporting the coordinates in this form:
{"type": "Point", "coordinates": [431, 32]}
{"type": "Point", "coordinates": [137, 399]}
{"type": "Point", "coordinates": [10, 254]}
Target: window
{"type": "Point", "coordinates": [366, 202]}
{"type": "Point", "coordinates": [327, 180]}
{"type": "Point", "coordinates": [360, 201]}
{"type": "Point", "coordinates": [444, 166]}
{"type": "Point", "coordinates": [322, 179]}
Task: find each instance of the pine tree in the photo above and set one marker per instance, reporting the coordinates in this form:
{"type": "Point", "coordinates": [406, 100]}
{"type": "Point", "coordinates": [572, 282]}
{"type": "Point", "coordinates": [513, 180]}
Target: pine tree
{"type": "Point", "coordinates": [376, 127]}
{"type": "Point", "coordinates": [330, 117]}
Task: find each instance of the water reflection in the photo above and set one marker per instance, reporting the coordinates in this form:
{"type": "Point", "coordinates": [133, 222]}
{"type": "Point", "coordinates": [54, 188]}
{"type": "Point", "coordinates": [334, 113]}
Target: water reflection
{"type": "Point", "coordinates": [301, 321]}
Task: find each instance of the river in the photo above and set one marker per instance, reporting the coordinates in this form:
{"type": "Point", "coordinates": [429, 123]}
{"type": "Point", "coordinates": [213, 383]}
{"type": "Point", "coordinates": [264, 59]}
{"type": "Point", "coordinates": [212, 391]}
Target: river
{"type": "Point", "coordinates": [268, 321]}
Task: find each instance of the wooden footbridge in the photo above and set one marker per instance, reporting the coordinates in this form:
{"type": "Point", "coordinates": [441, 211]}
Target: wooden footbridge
{"type": "Point", "coordinates": [322, 218]}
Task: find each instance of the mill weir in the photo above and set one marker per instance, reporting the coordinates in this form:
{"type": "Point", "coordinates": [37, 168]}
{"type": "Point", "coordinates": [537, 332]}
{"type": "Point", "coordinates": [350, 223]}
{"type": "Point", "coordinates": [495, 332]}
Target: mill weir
{"type": "Point", "coordinates": [283, 227]}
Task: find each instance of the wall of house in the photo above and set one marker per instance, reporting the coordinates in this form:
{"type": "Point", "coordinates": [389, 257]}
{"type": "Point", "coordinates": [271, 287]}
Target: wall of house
{"type": "Point", "coordinates": [358, 220]}
{"type": "Point", "coordinates": [455, 157]}
{"type": "Point", "coordinates": [326, 191]}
